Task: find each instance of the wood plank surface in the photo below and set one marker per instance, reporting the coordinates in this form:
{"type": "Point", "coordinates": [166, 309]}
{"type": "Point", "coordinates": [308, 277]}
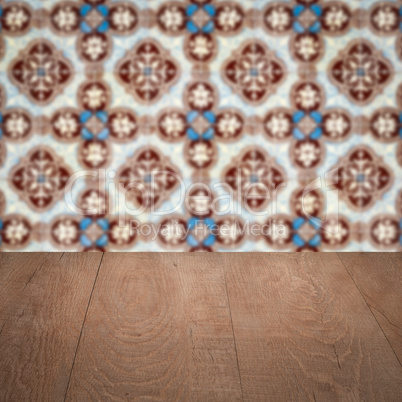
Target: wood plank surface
{"type": "Point", "coordinates": [304, 332]}
{"type": "Point", "coordinates": [200, 327]}
{"type": "Point", "coordinates": [379, 278]}
{"type": "Point", "coordinates": [43, 299]}
{"type": "Point", "coordinates": [158, 328]}
{"type": "Point", "coordinates": [16, 271]}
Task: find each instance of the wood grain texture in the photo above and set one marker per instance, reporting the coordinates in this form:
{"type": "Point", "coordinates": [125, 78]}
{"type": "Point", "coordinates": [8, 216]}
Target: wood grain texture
{"type": "Point", "coordinates": [304, 332]}
{"type": "Point", "coordinates": [43, 300]}
{"type": "Point", "coordinates": [379, 278]}
{"type": "Point", "coordinates": [198, 327]}
{"type": "Point", "coordinates": [158, 328]}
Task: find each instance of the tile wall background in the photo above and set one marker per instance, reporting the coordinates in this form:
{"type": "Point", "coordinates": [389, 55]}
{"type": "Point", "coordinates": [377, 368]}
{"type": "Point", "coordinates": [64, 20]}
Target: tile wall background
{"type": "Point", "coordinates": [200, 125]}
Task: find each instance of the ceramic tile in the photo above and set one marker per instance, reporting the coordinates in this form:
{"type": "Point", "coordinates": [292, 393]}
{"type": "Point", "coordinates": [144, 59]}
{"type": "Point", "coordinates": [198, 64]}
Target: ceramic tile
{"type": "Point", "coordinates": [191, 125]}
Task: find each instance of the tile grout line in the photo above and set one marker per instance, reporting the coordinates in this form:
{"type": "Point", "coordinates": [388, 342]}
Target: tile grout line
{"type": "Point", "coordinates": [371, 311]}
{"type": "Point", "coordinates": [234, 337]}
{"type": "Point", "coordinates": [82, 326]}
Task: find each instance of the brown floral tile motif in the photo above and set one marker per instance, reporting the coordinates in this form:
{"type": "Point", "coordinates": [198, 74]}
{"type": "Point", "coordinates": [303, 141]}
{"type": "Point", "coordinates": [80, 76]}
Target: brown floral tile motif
{"type": "Point", "coordinates": [306, 229]}
{"type": "Point", "coordinates": [201, 23]}
{"type": "Point", "coordinates": [309, 125]}
{"type": "Point", "coordinates": [94, 23]}
{"type": "Point", "coordinates": [200, 229]}
{"type": "Point", "coordinates": [384, 21]}
{"type": "Point", "coordinates": [40, 178]}
{"type": "Point", "coordinates": [254, 72]}
{"type": "Point", "coordinates": [94, 125]}
{"type": "Point", "coordinates": [156, 177]}
{"type": "Point", "coordinates": [147, 71]}
{"type": "Point", "coordinates": [363, 178]}
{"type": "Point", "coordinates": [41, 72]}
{"type": "Point", "coordinates": [94, 229]}
{"type": "Point", "coordinates": [16, 230]}
{"type": "Point", "coordinates": [384, 125]}
{"type": "Point", "coordinates": [253, 173]}
{"type": "Point", "coordinates": [16, 20]}
{"type": "Point", "coordinates": [385, 230]}
{"type": "Point", "coordinates": [361, 72]}
{"type": "Point", "coordinates": [200, 125]}
{"type": "Point", "coordinates": [307, 23]}
{"type": "Point", "coordinates": [16, 125]}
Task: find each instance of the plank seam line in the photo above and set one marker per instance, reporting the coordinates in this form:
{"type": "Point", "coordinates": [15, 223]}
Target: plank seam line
{"type": "Point", "coordinates": [234, 337]}
{"type": "Point", "coordinates": [371, 311]}
{"type": "Point", "coordinates": [383, 314]}
{"type": "Point", "coordinates": [1, 330]}
{"type": "Point", "coordinates": [36, 270]}
{"type": "Point", "coordinates": [82, 326]}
